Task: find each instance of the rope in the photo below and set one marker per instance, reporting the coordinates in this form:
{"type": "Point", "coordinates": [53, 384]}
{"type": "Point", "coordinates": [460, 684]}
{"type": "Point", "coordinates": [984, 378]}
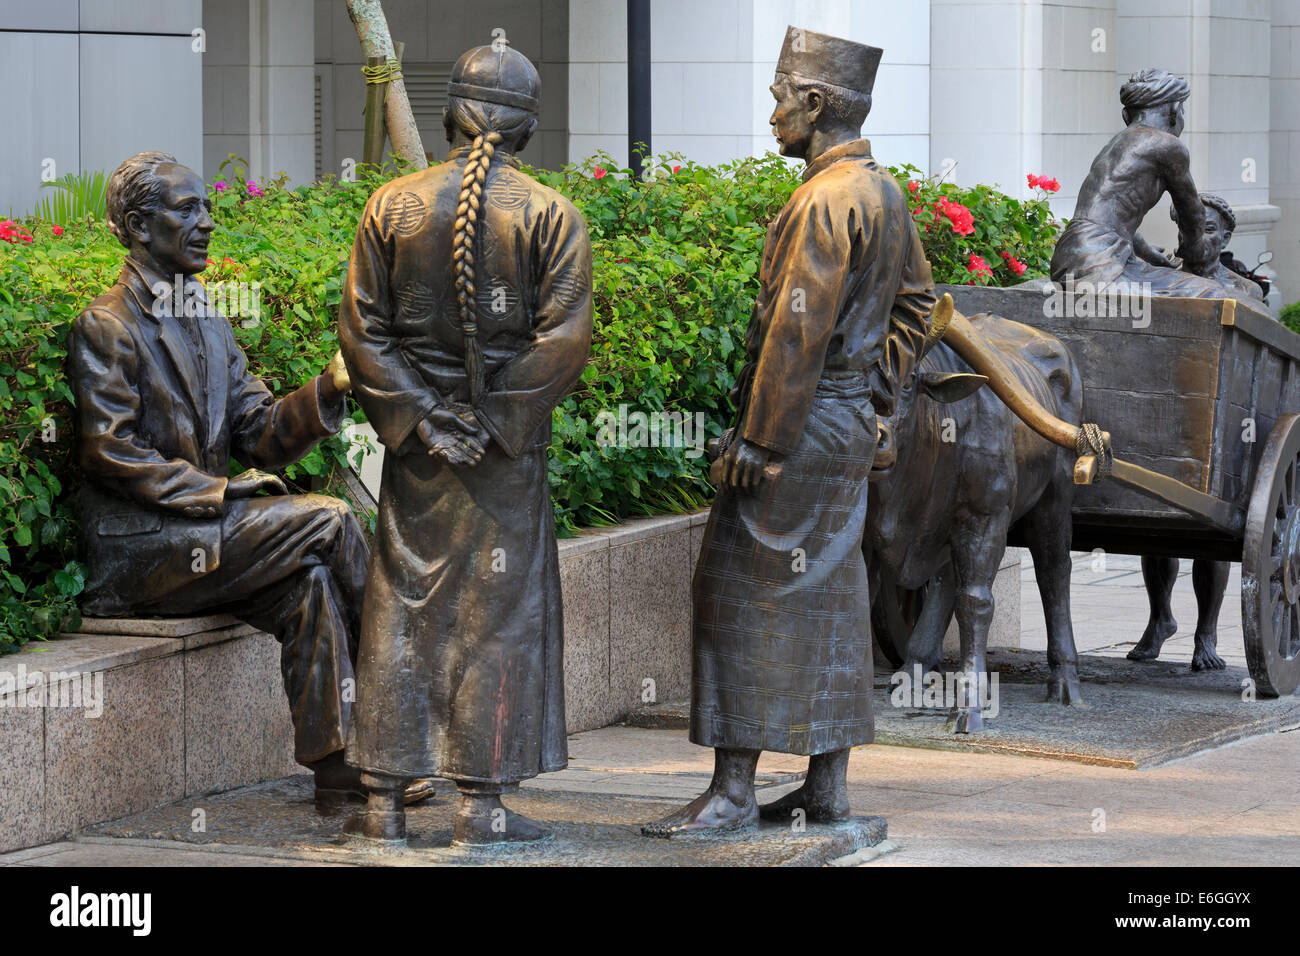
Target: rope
{"type": "Point", "coordinates": [383, 73]}
{"type": "Point", "coordinates": [1088, 441]}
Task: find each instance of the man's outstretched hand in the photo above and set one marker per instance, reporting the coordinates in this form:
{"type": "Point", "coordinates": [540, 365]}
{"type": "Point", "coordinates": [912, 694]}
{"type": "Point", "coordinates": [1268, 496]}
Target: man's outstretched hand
{"type": "Point", "coordinates": [250, 482]}
{"type": "Point", "coordinates": [457, 438]}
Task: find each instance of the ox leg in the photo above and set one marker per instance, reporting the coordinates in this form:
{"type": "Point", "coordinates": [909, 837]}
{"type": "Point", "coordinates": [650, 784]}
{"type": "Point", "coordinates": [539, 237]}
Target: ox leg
{"type": "Point", "coordinates": [925, 649]}
{"type": "Point", "coordinates": [977, 552]}
{"type": "Point", "coordinates": [1049, 534]}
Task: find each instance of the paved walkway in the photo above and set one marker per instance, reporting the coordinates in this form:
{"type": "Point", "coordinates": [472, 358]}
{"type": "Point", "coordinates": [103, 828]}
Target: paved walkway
{"type": "Point", "coordinates": [1236, 805]}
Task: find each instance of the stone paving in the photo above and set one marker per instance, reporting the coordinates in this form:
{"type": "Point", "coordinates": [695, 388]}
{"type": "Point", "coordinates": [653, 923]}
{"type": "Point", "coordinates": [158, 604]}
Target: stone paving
{"type": "Point", "coordinates": [1236, 805]}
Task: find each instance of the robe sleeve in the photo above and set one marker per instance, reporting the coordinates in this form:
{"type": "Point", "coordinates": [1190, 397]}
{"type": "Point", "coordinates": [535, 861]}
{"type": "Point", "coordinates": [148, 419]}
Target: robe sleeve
{"type": "Point", "coordinates": [909, 321]}
{"type": "Point", "coordinates": [103, 366]}
{"type": "Point", "coordinates": [522, 393]}
{"type": "Point", "coordinates": [392, 393]}
{"type": "Point", "coordinates": [803, 294]}
{"type": "Point", "coordinates": [271, 433]}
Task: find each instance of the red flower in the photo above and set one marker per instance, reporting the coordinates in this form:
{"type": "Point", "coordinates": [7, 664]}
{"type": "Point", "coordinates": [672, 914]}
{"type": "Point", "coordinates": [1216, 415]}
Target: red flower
{"type": "Point", "coordinates": [57, 230]}
{"type": "Point", "coordinates": [1014, 264]}
{"type": "Point", "coordinates": [599, 173]}
{"type": "Point", "coordinates": [1042, 182]}
{"type": "Point", "coordinates": [10, 231]}
{"type": "Point", "coordinates": [962, 219]}
{"type": "Point", "coordinates": [976, 265]}
{"type": "Point", "coordinates": [677, 169]}
{"type": "Point", "coordinates": [913, 186]}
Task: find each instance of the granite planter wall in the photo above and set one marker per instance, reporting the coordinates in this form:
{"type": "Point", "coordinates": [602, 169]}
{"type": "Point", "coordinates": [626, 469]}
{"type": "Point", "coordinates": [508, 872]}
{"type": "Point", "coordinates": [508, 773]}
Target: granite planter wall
{"type": "Point", "coordinates": [196, 705]}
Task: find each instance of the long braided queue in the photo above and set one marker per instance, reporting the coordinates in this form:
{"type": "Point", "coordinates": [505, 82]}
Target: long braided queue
{"type": "Point", "coordinates": [462, 255]}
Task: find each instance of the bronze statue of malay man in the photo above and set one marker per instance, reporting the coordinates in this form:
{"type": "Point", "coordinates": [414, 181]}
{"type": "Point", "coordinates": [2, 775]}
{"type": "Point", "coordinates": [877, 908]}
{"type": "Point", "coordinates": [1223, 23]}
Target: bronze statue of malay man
{"type": "Point", "coordinates": [782, 624]}
{"type": "Point", "coordinates": [466, 318]}
{"type": "Point", "coordinates": [164, 399]}
{"type": "Point", "coordinates": [1101, 244]}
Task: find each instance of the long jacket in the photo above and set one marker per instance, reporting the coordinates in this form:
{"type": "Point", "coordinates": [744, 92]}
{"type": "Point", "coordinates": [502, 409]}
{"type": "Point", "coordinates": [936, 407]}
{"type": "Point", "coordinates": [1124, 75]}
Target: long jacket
{"type": "Point", "coordinates": [782, 629]}
{"type": "Point", "coordinates": [460, 670]}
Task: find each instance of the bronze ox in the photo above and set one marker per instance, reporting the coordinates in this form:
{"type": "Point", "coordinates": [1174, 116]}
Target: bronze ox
{"type": "Point", "coordinates": [959, 472]}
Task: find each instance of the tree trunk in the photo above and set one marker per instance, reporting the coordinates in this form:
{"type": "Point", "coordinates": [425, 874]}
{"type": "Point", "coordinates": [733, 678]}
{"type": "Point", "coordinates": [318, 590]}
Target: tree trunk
{"type": "Point", "coordinates": [372, 31]}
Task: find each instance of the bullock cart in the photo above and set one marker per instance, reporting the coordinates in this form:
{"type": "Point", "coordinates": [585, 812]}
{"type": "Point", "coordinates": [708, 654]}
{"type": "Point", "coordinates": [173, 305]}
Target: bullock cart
{"type": "Point", "coordinates": [1191, 446]}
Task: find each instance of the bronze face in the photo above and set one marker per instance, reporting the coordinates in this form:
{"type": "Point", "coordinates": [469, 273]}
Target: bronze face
{"type": "Point", "coordinates": [176, 234]}
{"type": "Point", "coordinates": [791, 119]}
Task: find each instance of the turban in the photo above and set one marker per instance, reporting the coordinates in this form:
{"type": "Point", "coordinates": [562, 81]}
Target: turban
{"type": "Point", "coordinates": [1152, 88]}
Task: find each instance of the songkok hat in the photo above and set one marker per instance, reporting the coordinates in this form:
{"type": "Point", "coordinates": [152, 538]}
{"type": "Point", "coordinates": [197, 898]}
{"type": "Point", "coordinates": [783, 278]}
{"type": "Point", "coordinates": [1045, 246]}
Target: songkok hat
{"type": "Point", "coordinates": [1152, 88]}
{"type": "Point", "coordinates": [496, 74]}
{"type": "Point", "coordinates": [830, 60]}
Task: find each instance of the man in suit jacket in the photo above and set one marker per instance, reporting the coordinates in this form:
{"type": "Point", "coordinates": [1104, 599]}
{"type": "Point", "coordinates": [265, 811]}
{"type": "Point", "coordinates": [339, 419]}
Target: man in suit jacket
{"type": "Point", "coordinates": [164, 400]}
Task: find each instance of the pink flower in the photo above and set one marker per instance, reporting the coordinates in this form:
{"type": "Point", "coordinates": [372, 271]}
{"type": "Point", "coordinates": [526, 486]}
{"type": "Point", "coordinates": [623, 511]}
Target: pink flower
{"type": "Point", "coordinates": [254, 189]}
{"type": "Point", "coordinates": [10, 231]}
{"type": "Point", "coordinates": [976, 265]}
{"type": "Point", "coordinates": [599, 173]}
{"type": "Point", "coordinates": [219, 186]}
{"type": "Point", "coordinates": [57, 230]}
{"type": "Point", "coordinates": [913, 186]}
{"type": "Point", "coordinates": [1042, 182]}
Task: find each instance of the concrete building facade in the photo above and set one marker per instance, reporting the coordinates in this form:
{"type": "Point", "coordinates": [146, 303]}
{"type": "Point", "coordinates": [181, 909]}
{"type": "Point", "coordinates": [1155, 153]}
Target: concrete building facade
{"type": "Point", "coordinates": [974, 90]}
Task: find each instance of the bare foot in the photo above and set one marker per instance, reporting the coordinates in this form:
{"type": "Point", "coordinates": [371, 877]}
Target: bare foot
{"type": "Point", "coordinates": [1153, 638]}
{"type": "Point", "coordinates": [1206, 657]}
{"type": "Point", "coordinates": [711, 810]}
{"type": "Point", "coordinates": [820, 806]}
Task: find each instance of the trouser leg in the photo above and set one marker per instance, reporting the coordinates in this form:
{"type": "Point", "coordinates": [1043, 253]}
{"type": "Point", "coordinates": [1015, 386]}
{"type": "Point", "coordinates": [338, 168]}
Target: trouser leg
{"type": "Point", "coordinates": [293, 566]}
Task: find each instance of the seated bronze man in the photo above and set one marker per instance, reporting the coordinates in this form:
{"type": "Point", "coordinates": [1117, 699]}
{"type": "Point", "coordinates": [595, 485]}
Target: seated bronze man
{"type": "Point", "coordinates": [164, 400]}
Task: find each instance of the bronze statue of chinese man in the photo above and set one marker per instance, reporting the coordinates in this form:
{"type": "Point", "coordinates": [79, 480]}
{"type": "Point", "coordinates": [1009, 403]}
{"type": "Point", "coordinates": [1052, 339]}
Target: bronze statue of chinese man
{"type": "Point", "coordinates": [782, 628]}
{"type": "Point", "coordinates": [164, 399]}
{"type": "Point", "coordinates": [466, 318]}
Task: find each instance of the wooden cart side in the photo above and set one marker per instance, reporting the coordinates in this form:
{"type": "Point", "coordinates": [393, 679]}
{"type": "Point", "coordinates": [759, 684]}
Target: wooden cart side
{"type": "Point", "coordinates": [1258, 383]}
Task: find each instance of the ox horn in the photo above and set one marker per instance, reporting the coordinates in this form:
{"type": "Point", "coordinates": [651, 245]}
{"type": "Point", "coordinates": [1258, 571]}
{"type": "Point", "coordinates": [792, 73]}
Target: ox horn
{"type": "Point", "coordinates": [940, 316]}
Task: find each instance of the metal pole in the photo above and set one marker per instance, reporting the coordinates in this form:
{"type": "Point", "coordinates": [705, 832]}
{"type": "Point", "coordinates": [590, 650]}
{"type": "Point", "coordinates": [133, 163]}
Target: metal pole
{"type": "Point", "coordinates": [638, 84]}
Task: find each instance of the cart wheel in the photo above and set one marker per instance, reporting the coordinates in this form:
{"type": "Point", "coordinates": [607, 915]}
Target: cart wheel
{"type": "Point", "coordinates": [1270, 565]}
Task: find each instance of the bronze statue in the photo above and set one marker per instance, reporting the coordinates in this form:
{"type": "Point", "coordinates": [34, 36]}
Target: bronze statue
{"type": "Point", "coordinates": [1101, 243]}
{"type": "Point", "coordinates": [466, 318]}
{"type": "Point", "coordinates": [782, 634]}
{"type": "Point", "coordinates": [164, 400]}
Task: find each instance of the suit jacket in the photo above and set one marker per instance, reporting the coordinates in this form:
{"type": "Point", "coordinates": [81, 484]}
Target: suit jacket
{"type": "Point", "coordinates": [156, 429]}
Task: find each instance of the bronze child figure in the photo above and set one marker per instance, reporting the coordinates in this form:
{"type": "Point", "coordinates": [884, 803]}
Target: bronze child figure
{"type": "Point", "coordinates": [782, 629]}
{"type": "Point", "coordinates": [466, 318]}
{"type": "Point", "coordinates": [164, 400]}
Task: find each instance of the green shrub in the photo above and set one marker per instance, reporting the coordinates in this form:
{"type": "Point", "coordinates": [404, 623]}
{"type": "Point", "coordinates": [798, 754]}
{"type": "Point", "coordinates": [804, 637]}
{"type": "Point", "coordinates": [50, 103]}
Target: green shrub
{"type": "Point", "coordinates": [675, 260]}
{"type": "Point", "coordinates": [1290, 316]}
